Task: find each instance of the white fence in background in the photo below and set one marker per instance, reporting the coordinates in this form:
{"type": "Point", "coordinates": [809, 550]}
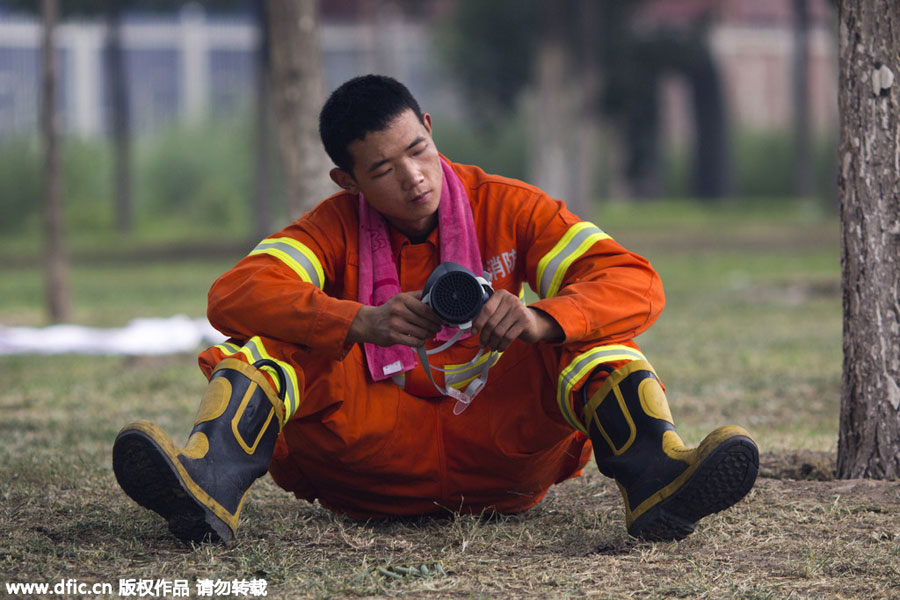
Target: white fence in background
{"type": "Point", "coordinates": [188, 66]}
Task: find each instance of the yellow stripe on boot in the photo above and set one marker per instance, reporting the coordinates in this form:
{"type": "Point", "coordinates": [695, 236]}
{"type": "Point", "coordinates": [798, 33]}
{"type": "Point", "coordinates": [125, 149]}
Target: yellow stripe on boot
{"type": "Point", "coordinates": [200, 489]}
{"type": "Point", "coordinates": [666, 486]}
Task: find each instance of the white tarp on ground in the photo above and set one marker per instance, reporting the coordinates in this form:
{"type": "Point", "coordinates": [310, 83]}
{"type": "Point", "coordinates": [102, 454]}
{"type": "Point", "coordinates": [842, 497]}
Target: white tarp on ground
{"type": "Point", "coordinates": [139, 337]}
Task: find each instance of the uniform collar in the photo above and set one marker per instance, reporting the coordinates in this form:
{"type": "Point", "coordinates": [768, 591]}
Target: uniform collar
{"type": "Point", "coordinates": [399, 240]}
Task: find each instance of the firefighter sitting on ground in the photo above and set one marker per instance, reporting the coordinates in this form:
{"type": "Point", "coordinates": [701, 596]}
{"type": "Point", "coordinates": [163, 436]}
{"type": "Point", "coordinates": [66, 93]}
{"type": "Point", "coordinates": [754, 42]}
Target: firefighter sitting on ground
{"type": "Point", "coordinates": [320, 383]}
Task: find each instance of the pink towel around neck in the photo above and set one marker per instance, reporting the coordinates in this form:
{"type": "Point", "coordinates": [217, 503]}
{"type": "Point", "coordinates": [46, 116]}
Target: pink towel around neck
{"type": "Point", "coordinates": [378, 279]}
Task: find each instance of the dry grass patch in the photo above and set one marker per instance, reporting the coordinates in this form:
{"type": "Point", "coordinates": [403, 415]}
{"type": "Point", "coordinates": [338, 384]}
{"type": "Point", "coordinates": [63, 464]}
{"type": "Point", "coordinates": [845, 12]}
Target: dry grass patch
{"type": "Point", "coordinates": [750, 335]}
{"type": "Point", "coordinates": [787, 539]}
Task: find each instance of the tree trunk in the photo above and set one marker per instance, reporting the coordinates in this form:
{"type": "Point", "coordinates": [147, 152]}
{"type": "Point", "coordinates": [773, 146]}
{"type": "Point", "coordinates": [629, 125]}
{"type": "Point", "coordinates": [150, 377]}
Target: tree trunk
{"type": "Point", "coordinates": [588, 131]}
{"type": "Point", "coordinates": [644, 166]}
{"type": "Point", "coordinates": [262, 171]}
{"type": "Point", "coordinates": [547, 168]}
{"type": "Point", "coordinates": [712, 162]}
{"type": "Point", "coordinates": [56, 290]}
{"type": "Point", "coordinates": [803, 169]}
{"type": "Point", "coordinates": [869, 185]}
{"type": "Point", "coordinates": [121, 120]}
{"type": "Point", "coordinates": [551, 111]}
{"type": "Point", "coordinates": [298, 90]}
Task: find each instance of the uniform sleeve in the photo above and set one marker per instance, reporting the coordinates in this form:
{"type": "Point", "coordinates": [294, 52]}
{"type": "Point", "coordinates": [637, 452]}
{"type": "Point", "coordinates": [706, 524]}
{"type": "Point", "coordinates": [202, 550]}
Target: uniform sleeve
{"type": "Point", "coordinates": [289, 288]}
{"type": "Point", "coordinates": [593, 287]}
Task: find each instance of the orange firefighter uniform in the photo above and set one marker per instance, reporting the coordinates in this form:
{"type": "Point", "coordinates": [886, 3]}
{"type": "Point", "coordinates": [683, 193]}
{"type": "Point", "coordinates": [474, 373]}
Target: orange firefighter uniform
{"type": "Point", "coordinates": [395, 447]}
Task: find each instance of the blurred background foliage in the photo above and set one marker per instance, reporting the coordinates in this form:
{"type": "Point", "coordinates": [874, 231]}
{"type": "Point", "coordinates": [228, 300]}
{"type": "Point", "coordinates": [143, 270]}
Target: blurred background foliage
{"type": "Point", "coordinates": [195, 179]}
{"type": "Point", "coordinates": [599, 102]}
{"type": "Point", "coordinates": [200, 176]}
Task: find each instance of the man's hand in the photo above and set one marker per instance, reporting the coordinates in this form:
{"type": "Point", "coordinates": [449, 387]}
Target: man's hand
{"type": "Point", "coordinates": [404, 319]}
{"type": "Point", "coordinates": [504, 318]}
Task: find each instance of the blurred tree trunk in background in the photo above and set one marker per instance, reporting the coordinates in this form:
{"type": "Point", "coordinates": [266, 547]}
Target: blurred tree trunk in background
{"type": "Point", "coordinates": [712, 151]}
{"type": "Point", "coordinates": [298, 90]}
{"type": "Point", "coordinates": [588, 131]}
{"type": "Point", "coordinates": [549, 113]}
{"type": "Point", "coordinates": [803, 168]}
{"type": "Point", "coordinates": [261, 202]}
{"type": "Point", "coordinates": [564, 115]}
{"type": "Point", "coordinates": [120, 116]}
{"type": "Point", "coordinates": [56, 291]}
{"type": "Point", "coordinates": [643, 167]}
{"type": "Point", "coordinates": [869, 185]}
{"type": "Point", "coordinates": [592, 60]}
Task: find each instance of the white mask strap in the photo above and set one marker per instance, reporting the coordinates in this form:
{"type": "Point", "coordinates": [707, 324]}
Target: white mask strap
{"type": "Point", "coordinates": [463, 398]}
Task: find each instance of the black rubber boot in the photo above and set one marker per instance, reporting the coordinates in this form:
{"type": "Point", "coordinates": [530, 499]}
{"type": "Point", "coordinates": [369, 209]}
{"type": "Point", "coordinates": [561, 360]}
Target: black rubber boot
{"type": "Point", "coordinates": [667, 488]}
{"type": "Point", "coordinates": [199, 489]}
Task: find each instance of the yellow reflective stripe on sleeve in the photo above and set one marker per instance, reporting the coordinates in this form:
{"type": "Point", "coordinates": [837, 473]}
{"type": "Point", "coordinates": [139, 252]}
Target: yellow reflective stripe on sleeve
{"type": "Point", "coordinates": [581, 366]}
{"type": "Point", "coordinates": [295, 255]}
{"type": "Point", "coordinates": [228, 348]}
{"type": "Point", "coordinates": [254, 351]}
{"type": "Point", "coordinates": [553, 266]}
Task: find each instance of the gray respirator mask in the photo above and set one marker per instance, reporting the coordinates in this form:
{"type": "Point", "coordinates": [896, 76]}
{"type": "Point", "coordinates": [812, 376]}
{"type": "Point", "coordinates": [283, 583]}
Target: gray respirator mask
{"type": "Point", "coordinates": [456, 296]}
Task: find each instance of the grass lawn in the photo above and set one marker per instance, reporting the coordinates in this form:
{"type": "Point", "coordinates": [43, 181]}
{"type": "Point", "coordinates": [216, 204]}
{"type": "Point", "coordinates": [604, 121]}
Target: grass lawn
{"type": "Point", "coordinates": [751, 335]}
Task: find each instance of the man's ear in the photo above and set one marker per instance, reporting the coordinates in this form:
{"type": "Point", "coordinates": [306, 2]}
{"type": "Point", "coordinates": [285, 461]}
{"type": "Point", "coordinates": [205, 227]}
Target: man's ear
{"type": "Point", "coordinates": [344, 180]}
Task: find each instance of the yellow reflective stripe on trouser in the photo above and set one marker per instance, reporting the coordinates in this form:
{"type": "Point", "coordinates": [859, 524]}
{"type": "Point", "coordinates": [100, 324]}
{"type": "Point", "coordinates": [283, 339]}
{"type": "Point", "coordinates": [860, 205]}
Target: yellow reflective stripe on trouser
{"type": "Point", "coordinates": [255, 351]}
{"type": "Point", "coordinates": [581, 366]}
{"type": "Point", "coordinates": [297, 256]}
{"type": "Point", "coordinates": [459, 376]}
{"type": "Point", "coordinates": [553, 266]}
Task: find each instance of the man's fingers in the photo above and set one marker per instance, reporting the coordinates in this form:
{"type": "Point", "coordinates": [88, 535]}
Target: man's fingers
{"type": "Point", "coordinates": [510, 336]}
{"type": "Point", "coordinates": [504, 332]}
{"type": "Point", "coordinates": [425, 315]}
{"type": "Point", "coordinates": [492, 332]}
{"type": "Point", "coordinates": [408, 329]}
{"type": "Point", "coordinates": [415, 305]}
{"type": "Point", "coordinates": [487, 311]}
{"type": "Point", "coordinates": [410, 339]}
{"type": "Point", "coordinates": [495, 311]}
{"type": "Point", "coordinates": [502, 320]}
{"type": "Point", "coordinates": [429, 326]}
{"type": "Point", "coordinates": [413, 331]}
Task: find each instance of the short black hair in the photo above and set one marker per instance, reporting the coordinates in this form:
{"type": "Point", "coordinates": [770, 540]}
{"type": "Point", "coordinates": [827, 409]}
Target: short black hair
{"type": "Point", "coordinates": [359, 106]}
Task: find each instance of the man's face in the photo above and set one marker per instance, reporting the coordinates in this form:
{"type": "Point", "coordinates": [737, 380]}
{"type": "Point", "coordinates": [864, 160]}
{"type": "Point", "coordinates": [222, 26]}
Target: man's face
{"type": "Point", "coordinates": [398, 169]}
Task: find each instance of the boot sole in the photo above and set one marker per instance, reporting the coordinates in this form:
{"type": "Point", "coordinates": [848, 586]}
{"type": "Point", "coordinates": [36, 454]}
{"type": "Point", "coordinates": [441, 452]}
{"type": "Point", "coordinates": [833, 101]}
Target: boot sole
{"type": "Point", "coordinates": [146, 473]}
{"type": "Point", "coordinates": [720, 481]}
